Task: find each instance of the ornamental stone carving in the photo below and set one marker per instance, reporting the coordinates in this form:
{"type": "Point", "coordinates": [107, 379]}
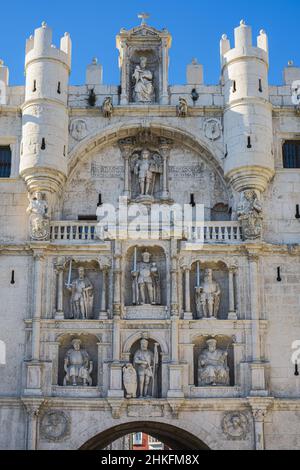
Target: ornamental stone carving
{"type": "Point", "coordinates": [213, 368]}
{"type": "Point", "coordinates": [82, 296]}
{"type": "Point", "coordinates": [55, 426]}
{"type": "Point", "coordinates": [212, 129]}
{"type": "Point", "coordinates": [107, 107]}
{"type": "Point", "coordinates": [250, 215]}
{"type": "Point", "coordinates": [77, 366]}
{"type": "Point", "coordinates": [182, 108]}
{"type": "Point", "coordinates": [146, 288]}
{"type": "Point", "coordinates": [39, 221]}
{"type": "Point", "coordinates": [207, 297]}
{"type": "Point", "coordinates": [78, 129]}
{"type": "Point", "coordinates": [130, 381]}
{"type": "Point", "coordinates": [143, 83]}
{"type": "Point", "coordinates": [235, 426]}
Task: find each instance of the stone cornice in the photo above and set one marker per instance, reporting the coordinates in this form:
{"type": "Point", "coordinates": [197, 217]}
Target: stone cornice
{"type": "Point", "coordinates": [146, 111]}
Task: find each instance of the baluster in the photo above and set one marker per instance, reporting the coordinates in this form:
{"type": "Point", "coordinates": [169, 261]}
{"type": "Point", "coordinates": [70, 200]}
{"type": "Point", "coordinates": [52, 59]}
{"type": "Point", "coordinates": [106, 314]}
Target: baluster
{"type": "Point", "coordinates": [76, 232]}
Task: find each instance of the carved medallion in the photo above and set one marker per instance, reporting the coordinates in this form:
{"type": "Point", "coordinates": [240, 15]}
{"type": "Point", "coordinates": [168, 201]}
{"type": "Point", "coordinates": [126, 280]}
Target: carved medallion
{"type": "Point", "coordinates": [235, 426]}
{"type": "Point", "coordinates": [55, 426]}
{"type": "Point", "coordinates": [78, 129]}
{"type": "Point", "coordinates": [212, 129]}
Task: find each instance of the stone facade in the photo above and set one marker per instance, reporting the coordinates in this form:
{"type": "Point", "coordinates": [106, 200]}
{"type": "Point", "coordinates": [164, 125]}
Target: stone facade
{"type": "Point", "coordinates": [167, 333]}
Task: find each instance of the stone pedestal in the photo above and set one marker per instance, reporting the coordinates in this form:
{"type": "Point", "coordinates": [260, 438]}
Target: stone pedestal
{"type": "Point", "coordinates": [33, 379]}
{"type": "Point", "coordinates": [116, 382]}
{"type": "Point", "coordinates": [175, 381]}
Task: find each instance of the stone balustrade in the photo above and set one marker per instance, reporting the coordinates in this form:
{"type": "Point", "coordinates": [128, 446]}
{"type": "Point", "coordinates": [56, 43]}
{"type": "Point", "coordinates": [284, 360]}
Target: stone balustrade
{"type": "Point", "coordinates": [85, 232]}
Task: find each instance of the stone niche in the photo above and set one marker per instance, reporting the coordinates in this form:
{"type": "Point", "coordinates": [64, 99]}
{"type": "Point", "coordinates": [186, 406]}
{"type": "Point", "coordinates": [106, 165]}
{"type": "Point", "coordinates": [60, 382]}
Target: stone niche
{"type": "Point", "coordinates": [89, 343]}
{"type": "Point", "coordinates": [94, 275]}
{"type": "Point", "coordinates": [220, 275]}
{"type": "Point", "coordinates": [134, 307]}
{"type": "Point", "coordinates": [158, 374]}
{"type": "Point", "coordinates": [225, 344]}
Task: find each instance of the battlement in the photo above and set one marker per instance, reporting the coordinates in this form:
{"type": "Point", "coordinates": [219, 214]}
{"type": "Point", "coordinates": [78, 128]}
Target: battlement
{"type": "Point", "coordinates": [39, 46]}
{"type": "Point", "coordinates": [243, 45]}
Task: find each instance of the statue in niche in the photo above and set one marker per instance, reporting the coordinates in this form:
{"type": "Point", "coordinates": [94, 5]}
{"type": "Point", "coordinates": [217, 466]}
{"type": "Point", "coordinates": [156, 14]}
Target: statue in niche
{"type": "Point", "coordinates": [213, 367]}
{"type": "Point", "coordinates": [145, 364]}
{"type": "Point", "coordinates": [182, 108]}
{"type": "Point", "coordinates": [143, 83]}
{"type": "Point", "coordinates": [82, 296]}
{"type": "Point", "coordinates": [250, 215]}
{"type": "Point", "coordinates": [78, 366]}
{"type": "Point", "coordinates": [130, 381]}
{"type": "Point", "coordinates": [208, 297]}
{"type": "Point", "coordinates": [146, 168]}
{"type": "Point", "coordinates": [39, 222]}
{"type": "Point", "coordinates": [107, 107]}
{"type": "Point", "coordinates": [145, 282]}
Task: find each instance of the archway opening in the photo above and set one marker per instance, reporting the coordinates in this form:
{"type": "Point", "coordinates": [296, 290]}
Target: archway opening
{"type": "Point", "coordinates": [172, 436]}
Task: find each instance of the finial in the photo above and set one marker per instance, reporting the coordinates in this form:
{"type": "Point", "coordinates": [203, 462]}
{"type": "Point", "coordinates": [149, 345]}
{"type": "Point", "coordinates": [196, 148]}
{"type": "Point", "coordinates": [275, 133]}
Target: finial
{"type": "Point", "coordinates": [242, 23]}
{"type": "Point", "coordinates": [67, 34]}
{"type": "Point", "coordinates": [143, 17]}
{"type": "Point", "coordinates": [1, 62]}
{"type": "Point", "coordinates": [262, 31]}
{"type": "Point", "coordinates": [195, 61]}
{"type": "Point", "coordinates": [224, 37]}
{"type": "Point", "coordinates": [44, 24]}
{"type": "Point", "coordinates": [95, 61]}
{"type": "Point", "coordinates": [290, 63]}
{"type": "Point", "coordinates": [31, 36]}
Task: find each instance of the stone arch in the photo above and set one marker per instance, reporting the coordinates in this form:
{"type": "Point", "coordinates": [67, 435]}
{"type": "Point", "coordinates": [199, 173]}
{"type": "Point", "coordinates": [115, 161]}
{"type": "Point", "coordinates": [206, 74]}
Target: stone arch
{"type": "Point", "coordinates": [111, 134]}
{"type": "Point", "coordinates": [173, 436]}
{"type": "Point", "coordinates": [131, 340]}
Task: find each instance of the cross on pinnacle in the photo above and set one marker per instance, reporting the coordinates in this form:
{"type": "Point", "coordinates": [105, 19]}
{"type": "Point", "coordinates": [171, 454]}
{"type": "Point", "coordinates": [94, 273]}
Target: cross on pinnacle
{"type": "Point", "coordinates": [143, 17]}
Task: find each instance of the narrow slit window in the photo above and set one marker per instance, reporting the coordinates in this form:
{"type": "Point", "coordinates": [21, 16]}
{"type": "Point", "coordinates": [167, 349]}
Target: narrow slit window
{"type": "Point", "coordinates": [43, 146]}
{"type": "Point", "coordinates": [249, 145]}
{"type": "Point", "coordinates": [260, 88]}
{"type": "Point", "coordinates": [59, 88]}
{"type": "Point", "coordinates": [233, 86]}
{"type": "Point", "coordinates": [34, 86]}
{"type": "Point", "coordinates": [5, 162]}
{"type": "Point", "coordinates": [64, 151]}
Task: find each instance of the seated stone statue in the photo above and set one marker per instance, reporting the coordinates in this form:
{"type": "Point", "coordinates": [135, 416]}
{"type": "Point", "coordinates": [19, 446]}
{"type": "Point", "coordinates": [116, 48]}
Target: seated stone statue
{"type": "Point", "coordinates": [77, 366]}
{"type": "Point", "coordinates": [250, 215]}
{"type": "Point", "coordinates": [213, 368]}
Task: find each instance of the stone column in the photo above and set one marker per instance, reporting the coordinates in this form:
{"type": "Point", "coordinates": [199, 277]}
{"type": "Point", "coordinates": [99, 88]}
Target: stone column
{"type": "Point", "coordinates": [103, 312]}
{"type": "Point", "coordinates": [174, 339]}
{"type": "Point", "coordinates": [33, 409]}
{"type": "Point", "coordinates": [37, 302]}
{"type": "Point", "coordinates": [164, 99]}
{"type": "Point", "coordinates": [174, 286]}
{"type": "Point", "coordinates": [59, 269]}
{"type": "Point", "coordinates": [259, 411]}
{"type": "Point", "coordinates": [124, 95]}
{"type": "Point", "coordinates": [165, 152]}
{"type": "Point", "coordinates": [126, 176]}
{"type": "Point", "coordinates": [117, 281]}
{"type": "Point", "coordinates": [187, 311]}
{"type": "Point", "coordinates": [126, 149]}
{"type": "Point", "coordinates": [232, 311]}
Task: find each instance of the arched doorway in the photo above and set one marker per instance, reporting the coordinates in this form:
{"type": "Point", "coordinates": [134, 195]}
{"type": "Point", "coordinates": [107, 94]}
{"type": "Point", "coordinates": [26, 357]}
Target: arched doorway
{"type": "Point", "coordinates": [172, 436]}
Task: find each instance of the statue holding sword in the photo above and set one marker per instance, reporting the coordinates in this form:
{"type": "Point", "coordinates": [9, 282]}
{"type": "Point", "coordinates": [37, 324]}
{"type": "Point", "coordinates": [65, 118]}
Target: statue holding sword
{"type": "Point", "coordinates": [145, 363]}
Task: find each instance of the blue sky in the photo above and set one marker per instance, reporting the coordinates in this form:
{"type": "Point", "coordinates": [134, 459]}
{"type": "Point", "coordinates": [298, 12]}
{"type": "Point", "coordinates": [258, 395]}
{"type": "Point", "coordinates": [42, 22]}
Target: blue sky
{"type": "Point", "coordinates": [196, 27]}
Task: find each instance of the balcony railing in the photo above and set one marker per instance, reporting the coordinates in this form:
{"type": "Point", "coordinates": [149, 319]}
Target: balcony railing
{"type": "Point", "coordinates": [89, 232]}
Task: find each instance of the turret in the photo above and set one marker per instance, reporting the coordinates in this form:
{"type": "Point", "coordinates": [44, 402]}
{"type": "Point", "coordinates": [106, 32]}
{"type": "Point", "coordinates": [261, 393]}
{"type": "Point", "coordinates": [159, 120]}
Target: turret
{"type": "Point", "coordinates": [249, 161]}
{"type": "Point", "coordinates": [43, 161]}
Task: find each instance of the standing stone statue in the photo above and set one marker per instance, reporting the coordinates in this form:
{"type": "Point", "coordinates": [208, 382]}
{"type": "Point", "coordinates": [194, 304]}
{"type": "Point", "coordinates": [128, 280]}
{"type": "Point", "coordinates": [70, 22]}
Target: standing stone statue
{"type": "Point", "coordinates": [143, 362]}
{"type": "Point", "coordinates": [208, 297]}
{"type": "Point", "coordinates": [213, 369]}
{"type": "Point", "coordinates": [146, 170]}
{"type": "Point", "coordinates": [145, 282]}
{"type": "Point", "coordinates": [182, 108]}
{"type": "Point", "coordinates": [250, 215]}
{"type": "Point", "coordinates": [107, 107]}
{"type": "Point", "coordinates": [130, 381]}
{"type": "Point", "coordinates": [39, 222]}
{"type": "Point", "coordinates": [143, 79]}
{"type": "Point", "coordinates": [78, 366]}
{"type": "Point", "coordinates": [82, 296]}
